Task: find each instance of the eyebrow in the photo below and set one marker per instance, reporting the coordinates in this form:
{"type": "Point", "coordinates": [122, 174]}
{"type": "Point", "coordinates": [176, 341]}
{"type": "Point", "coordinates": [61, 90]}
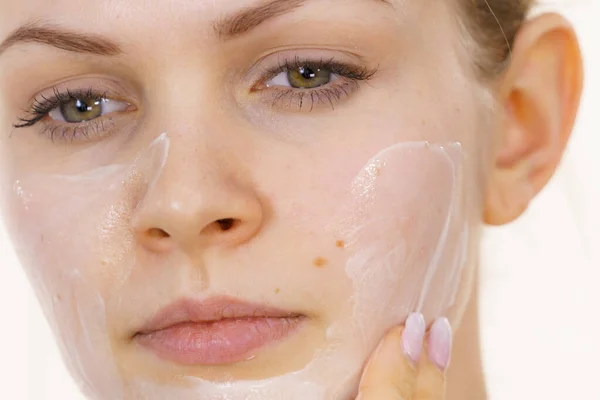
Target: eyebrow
{"type": "Point", "coordinates": [39, 32]}
{"type": "Point", "coordinates": [231, 26]}
{"type": "Point", "coordinates": [247, 19]}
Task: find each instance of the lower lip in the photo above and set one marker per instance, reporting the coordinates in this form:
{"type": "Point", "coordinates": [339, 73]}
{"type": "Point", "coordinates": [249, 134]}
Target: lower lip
{"type": "Point", "coordinates": [218, 342]}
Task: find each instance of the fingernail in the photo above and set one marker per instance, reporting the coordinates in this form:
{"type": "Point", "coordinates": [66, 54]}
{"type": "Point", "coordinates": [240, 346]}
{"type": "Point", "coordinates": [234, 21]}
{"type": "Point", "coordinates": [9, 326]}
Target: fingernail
{"type": "Point", "coordinates": [440, 343]}
{"type": "Point", "coordinates": [412, 337]}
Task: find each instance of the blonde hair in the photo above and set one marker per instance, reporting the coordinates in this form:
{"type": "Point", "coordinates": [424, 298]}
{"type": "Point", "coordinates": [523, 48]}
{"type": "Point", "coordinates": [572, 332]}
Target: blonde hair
{"type": "Point", "coordinates": [494, 25]}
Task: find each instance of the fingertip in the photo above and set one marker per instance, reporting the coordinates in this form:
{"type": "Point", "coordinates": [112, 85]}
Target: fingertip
{"type": "Point", "coordinates": [439, 344]}
{"type": "Point", "coordinates": [413, 336]}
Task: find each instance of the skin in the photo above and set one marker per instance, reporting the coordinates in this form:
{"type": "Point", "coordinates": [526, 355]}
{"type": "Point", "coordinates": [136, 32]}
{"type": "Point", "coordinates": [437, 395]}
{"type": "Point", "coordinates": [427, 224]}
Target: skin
{"type": "Point", "coordinates": [197, 88]}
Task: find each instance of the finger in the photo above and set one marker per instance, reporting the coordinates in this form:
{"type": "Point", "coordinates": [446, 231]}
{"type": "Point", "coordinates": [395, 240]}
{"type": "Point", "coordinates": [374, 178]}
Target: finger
{"type": "Point", "coordinates": [431, 382]}
{"type": "Point", "coordinates": [391, 373]}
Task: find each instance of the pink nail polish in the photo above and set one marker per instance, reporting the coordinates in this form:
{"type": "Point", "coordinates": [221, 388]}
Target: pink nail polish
{"type": "Point", "coordinates": [440, 343]}
{"type": "Point", "coordinates": [412, 337]}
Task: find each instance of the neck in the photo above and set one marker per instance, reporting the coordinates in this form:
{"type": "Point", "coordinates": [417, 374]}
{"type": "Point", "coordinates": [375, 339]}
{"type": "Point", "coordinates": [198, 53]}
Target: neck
{"type": "Point", "coordinates": [465, 375]}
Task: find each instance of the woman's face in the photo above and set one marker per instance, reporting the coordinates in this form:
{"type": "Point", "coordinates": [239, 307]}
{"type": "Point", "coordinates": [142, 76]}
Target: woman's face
{"type": "Point", "coordinates": [237, 198]}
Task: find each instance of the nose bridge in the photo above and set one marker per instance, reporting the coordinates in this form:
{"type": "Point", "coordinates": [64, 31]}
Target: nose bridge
{"type": "Point", "coordinates": [201, 196]}
{"type": "Point", "coordinates": [195, 173]}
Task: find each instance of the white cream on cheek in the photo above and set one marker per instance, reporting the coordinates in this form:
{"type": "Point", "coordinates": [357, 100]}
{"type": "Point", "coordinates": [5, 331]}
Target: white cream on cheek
{"type": "Point", "coordinates": [405, 232]}
{"type": "Point", "coordinates": [407, 243]}
{"type": "Point", "coordinates": [66, 241]}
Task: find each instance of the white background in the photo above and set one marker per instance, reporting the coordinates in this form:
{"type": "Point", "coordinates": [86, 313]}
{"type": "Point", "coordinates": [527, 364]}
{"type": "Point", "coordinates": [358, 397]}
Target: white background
{"type": "Point", "coordinates": [540, 281]}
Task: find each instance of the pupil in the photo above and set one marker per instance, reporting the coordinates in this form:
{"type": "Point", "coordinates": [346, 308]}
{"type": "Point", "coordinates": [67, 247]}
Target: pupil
{"type": "Point", "coordinates": [307, 73]}
{"type": "Point", "coordinates": [82, 106]}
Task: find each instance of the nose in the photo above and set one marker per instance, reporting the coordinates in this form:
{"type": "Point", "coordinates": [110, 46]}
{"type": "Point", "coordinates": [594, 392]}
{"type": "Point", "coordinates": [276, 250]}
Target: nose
{"type": "Point", "coordinates": [197, 201]}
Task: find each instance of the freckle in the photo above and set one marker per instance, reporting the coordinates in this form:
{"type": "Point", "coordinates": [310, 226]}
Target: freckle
{"type": "Point", "coordinates": [378, 171]}
{"type": "Point", "coordinates": [104, 262]}
{"type": "Point", "coordinates": [277, 291]}
{"type": "Point", "coordinates": [340, 244]}
{"type": "Point", "coordinates": [320, 262]}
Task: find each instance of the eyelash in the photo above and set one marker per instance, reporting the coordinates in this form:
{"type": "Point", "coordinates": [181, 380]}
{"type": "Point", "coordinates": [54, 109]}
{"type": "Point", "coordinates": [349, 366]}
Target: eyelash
{"type": "Point", "coordinates": [350, 76]}
{"type": "Point", "coordinates": [43, 105]}
{"type": "Point", "coordinates": [329, 93]}
{"type": "Point", "coordinates": [40, 108]}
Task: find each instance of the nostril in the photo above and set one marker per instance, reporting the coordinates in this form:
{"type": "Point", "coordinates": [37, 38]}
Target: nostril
{"type": "Point", "coordinates": [157, 233]}
{"type": "Point", "coordinates": [226, 224]}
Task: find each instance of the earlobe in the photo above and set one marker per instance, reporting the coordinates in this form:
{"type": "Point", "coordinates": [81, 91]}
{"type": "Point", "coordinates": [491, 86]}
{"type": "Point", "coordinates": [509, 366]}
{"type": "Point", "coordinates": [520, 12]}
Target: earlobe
{"type": "Point", "coordinates": [540, 93]}
{"type": "Point", "coordinates": [510, 194]}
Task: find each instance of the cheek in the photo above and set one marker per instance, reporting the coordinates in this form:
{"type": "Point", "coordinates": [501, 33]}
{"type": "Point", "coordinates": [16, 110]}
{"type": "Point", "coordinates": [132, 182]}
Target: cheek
{"type": "Point", "coordinates": [76, 254]}
{"type": "Point", "coordinates": [402, 225]}
{"type": "Point", "coordinates": [57, 244]}
{"type": "Point", "coordinates": [408, 232]}
{"type": "Point", "coordinates": [67, 226]}
{"type": "Point", "coordinates": [60, 232]}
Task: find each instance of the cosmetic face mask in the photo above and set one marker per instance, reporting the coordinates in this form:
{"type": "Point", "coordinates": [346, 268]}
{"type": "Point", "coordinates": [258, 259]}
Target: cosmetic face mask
{"type": "Point", "coordinates": [397, 243]}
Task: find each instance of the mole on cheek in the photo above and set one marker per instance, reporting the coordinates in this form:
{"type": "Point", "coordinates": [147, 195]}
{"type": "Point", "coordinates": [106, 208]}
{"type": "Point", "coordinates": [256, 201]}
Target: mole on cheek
{"type": "Point", "coordinates": [320, 262]}
{"type": "Point", "coordinates": [340, 244]}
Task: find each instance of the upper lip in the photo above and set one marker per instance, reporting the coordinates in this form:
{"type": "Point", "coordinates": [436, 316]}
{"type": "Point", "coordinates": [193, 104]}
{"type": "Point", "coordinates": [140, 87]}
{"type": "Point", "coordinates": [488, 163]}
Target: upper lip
{"type": "Point", "coordinates": [186, 310]}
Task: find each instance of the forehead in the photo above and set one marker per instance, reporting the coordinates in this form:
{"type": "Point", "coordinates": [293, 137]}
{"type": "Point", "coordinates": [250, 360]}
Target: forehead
{"type": "Point", "coordinates": [200, 10]}
{"type": "Point", "coordinates": [160, 14]}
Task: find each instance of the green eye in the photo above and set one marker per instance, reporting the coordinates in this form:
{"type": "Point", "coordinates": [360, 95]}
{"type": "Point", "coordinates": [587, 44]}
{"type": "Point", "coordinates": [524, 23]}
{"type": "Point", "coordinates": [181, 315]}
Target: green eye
{"type": "Point", "coordinates": [80, 110]}
{"type": "Point", "coordinates": [308, 78]}
{"type": "Point", "coordinates": [306, 83]}
{"type": "Point", "coordinates": [76, 109]}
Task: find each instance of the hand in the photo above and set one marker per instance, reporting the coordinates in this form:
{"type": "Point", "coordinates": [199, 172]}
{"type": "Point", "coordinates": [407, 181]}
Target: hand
{"type": "Point", "coordinates": [403, 368]}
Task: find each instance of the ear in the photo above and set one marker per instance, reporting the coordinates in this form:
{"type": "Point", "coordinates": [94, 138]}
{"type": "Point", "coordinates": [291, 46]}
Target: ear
{"type": "Point", "coordinates": [540, 93]}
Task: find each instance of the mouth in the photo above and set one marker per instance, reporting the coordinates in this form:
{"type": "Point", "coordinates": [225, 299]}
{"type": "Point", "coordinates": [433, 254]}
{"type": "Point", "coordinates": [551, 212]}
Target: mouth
{"type": "Point", "coordinates": [215, 331]}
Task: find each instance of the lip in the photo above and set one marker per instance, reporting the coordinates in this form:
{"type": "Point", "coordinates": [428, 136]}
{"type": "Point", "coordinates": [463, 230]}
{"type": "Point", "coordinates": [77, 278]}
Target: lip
{"type": "Point", "coordinates": [218, 330]}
